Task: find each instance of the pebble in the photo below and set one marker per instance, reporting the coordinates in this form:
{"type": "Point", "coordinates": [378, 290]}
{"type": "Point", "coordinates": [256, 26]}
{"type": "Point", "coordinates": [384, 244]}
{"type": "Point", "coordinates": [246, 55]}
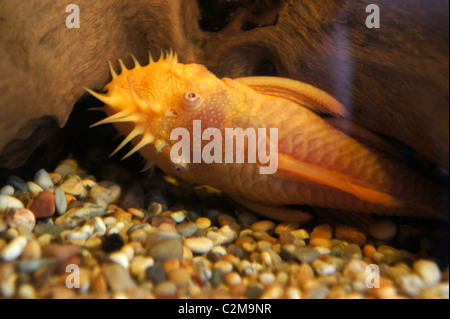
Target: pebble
{"type": "Point", "coordinates": [17, 183]}
{"type": "Point", "coordinates": [16, 217]}
{"type": "Point", "coordinates": [224, 266]}
{"type": "Point", "coordinates": [233, 279]}
{"type": "Point", "coordinates": [254, 291]}
{"type": "Point", "coordinates": [167, 249]}
{"type": "Point", "coordinates": [73, 217]}
{"type": "Point", "coordinates": [43, 179]}
{"type": "Point", "coordinates": [203, 223]}
{"type": "Point", "coordinates": [26, 291]}
{"type": "Point", "coordinates": [7, 201]}
{"type": "Point", "coordinates": [348, 233]}
{"type": "Point", "coordinates": [178, 216]}
{"type": "Point", "coordinates": [223, 236]}
{"type": "Point", "coordinates": [44, 205]}
{"type": "Point", "coordinates": [120, 259]}
{"type": "Point", "coordinates": [187, 229]}
{"type": "Point", "coordinates": [319, 292]}
{"type": "Point", "coordinates": [166, 289]}
{"type": "Point", "coordinates": [199, 245]}
{"type": "Point", "coordinates": [306, 254]}
{"type": "Point", "coordinates": [34, 188]}
{"type": "Point", "coordinates": [74, 186]}
{"type": "Point", "coordinates": [323, 268]}
{"type": "Point", "coordinates": [139, 266]}
{"type": "Point", "coordinates": [118, 278]}
{"type": "Point", "coordinates": [263, 225]}
{"type": "Point", "coordinates": [66, 167]}
{"type": "Point", "coordinates": [293, 293]}
{"type": "Point", "coordinates": [180, 277]}
{"type": "Point", "coordinates": [428, 271]}
{"type": "Point", "coordinates": [60, 252]}
{"type": "Point", "coordinates": [266, 278]}
{"type": "Point", "coordinates": [155, 274]}
{"type": "Point", "coordinates": [384, 230]}
{"type": "Point", "coordinates": [7, 190]}
{"type": "Point", "coordinates": [322, 231]}
{"type": "Point", "coordinates": [14, 248]}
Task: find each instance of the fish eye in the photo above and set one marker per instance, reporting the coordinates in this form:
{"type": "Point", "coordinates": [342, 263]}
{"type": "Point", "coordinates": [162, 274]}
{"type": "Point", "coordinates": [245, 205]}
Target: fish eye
{"type": "Point", "coordinates": [192, 100]}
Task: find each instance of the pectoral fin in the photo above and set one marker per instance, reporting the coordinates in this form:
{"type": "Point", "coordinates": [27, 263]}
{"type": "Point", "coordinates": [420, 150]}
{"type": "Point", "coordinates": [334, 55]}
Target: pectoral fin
{"type": "Point", "coordinates": [301, 93]}
{"type": "Point", "coordinates": [335, 180]}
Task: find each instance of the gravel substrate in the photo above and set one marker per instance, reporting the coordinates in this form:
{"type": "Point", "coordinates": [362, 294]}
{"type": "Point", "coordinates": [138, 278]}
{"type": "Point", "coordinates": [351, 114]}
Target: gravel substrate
{"type": "Point", "coordinates": [66, 234]}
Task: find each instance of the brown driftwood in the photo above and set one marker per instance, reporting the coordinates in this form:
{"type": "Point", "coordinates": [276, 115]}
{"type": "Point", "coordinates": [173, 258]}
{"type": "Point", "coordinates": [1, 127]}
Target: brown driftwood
{"type": "Point", "coordinates": [394, 80]}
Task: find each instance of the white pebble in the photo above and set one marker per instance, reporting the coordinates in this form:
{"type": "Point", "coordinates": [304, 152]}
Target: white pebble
{"type": "Point", "coordinates": [266, 258]}
{"type": "Point", "coordinates": [34, 188]}
{"type": "Point", "coordinates": [219, 250]}
{"type": "Point", "coordinates": [43, 179]}
{"type": "Point", "coordinates": [199, 245]}
{"type": "Point", "coordinates": [266, 278]}
{"type": "Point", "coordinates": [428, 271]}
{"type": "Point", "coordinates": [14, 248]}
{"type": "Point", "coordinates": [7, 201]}
{"type": "Point", "coordinates": [323, 268]}
{"type": "Point", "coordinates": [178, 216]}
{"type": "Point", "coordinates": [116, 228]}
{"type": "Point", "coordinates": [119, 258]}
{"type": "Point", "coordinates": [98, 224]}
{"type": "Point", "coordinates": [7, 190]}
{"type": "Point", "coordinates": [60, 201]}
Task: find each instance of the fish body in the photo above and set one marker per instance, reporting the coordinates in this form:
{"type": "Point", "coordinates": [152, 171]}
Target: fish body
{"type": "Point", "coordinates": [317, 164]}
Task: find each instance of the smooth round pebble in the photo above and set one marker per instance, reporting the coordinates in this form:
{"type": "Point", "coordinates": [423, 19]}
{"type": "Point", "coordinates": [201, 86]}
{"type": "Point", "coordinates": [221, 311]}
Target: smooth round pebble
{"type": "Point", "coordinates": [60, 201]}
{"type": "Point", "coordinates": [266, 278]}
{"type": "Point", "coordinates": [306, 254]}
{"type": "Point", "coordinates": [224, 266]}
{"type": "Point", "coordinates": [428, 271]}
{"type": "Point", "coordinates": [167, 249]}
{"type": "Point", "coordinates": [14, 248]}
{"type": "Point", "coordinates": [43, 179]}
{"type": "Point", "coordinates": [120, 258]}
{"type": "Point", "coordinates": [17, 183]}
{"type": "Point", "coordinates": [7, 190]}
{"type": "Point", "coordinates": [16, 217]}
{"type": "Point", "coordinates": [178, 216]}
{"type": "Point", "coordinates": [7, 201]}
{"type": "Point", "coordinates": [263, 225]}
{"type": "Point", "coordinates": [203, 222]}
{"type": "Point", "coordinates": [44, 205]}
{"type": "Point", "coordinates": [199, 245]}
{"type": "Point", "coordinates": [34, 188]}
{"type": "Point", "coordinates": [323, 268]}
{"type": "Point", "coordinates": [322, 231]}
{"type": "Point", "coordinates": [233, 279]}
{"type": "Point", "coordinates": [187, 229]}
{"type": "Point", "coordinates": [348, 233]}
{"type": "Point", "coordinates": [155, 274]}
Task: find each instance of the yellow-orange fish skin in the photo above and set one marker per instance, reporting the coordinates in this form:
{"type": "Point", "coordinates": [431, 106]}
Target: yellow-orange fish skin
{"type": "Point", "coordinates": [318, 164]}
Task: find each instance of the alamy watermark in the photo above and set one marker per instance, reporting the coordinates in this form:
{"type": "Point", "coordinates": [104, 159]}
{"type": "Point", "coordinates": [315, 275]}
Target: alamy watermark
{"type": "Point", "coordinates": [213, 152]}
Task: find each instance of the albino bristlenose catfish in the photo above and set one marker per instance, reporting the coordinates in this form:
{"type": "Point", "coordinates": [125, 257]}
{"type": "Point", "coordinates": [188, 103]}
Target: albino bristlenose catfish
{"type": "Point", "coordinates": [316, 164]}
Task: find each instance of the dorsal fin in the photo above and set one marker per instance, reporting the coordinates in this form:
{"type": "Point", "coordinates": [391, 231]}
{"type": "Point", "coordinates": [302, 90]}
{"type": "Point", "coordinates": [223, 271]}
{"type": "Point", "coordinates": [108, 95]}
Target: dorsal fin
{"type": "Point", "coordinates": [301, 93]}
